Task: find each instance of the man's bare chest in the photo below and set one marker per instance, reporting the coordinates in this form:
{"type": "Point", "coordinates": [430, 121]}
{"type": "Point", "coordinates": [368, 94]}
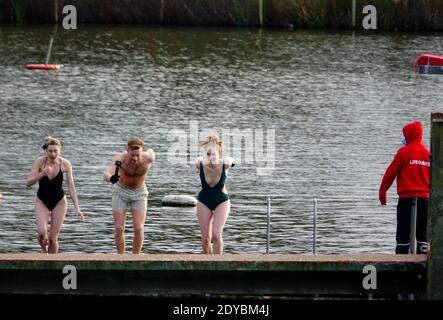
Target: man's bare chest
{"type": "Point", "coordinates": [134, 170]}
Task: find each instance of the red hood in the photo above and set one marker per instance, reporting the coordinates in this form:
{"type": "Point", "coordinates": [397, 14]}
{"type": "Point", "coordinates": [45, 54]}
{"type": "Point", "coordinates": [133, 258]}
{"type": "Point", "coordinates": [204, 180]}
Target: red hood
{"type": "Point", "coordinates": [413, 132]}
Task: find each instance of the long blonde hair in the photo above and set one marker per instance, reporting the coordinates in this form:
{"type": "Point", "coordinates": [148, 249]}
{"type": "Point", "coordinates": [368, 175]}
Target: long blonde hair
{"type": "Point", "coordinates": [215, 139]}
{"type": "Point", "coordinates": [51, 141]}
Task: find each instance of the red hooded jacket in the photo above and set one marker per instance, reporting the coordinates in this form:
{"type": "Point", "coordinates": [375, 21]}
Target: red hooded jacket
{"type": "Point", "coordinates": [411, 166]}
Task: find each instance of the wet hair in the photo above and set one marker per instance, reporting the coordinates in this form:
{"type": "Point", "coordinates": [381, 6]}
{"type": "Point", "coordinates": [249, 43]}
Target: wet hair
{"type": "Point", "coordinates": [213, 138]}
{"type": "Point", "coordinates": [51, 141]}
{"type": "Point", "coordinates": [135, 143]}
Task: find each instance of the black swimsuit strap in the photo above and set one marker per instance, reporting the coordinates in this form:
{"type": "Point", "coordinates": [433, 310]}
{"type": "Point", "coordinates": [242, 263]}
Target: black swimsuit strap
{"type": "Point", "coordinates": [202, 175]}
{"type": "Point", "coordinates": [222, 176]}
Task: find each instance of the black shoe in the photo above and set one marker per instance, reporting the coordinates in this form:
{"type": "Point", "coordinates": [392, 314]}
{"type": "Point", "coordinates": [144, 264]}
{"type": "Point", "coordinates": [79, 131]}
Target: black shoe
{"type": "Point", "coordinates": [402, 249]}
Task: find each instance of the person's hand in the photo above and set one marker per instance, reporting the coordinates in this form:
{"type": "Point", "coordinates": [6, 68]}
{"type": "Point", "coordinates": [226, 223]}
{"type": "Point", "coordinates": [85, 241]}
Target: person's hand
{"type": "Point", "coordinates": [47, 171]}
{"type": "Point", "coordinates": [230, 161]}
{"type": "Point", "coordinates": [198, 160]}
{"type": "Point", "coordinates": [80, 215]}
{"type": "Point", "coordinates": [382, 198]}
{"type": "Point", "coordinates": [114, 179]}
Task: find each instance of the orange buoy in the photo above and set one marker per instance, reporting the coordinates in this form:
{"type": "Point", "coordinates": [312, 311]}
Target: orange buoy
{"type": "Point", "coordinates": [43, 67]}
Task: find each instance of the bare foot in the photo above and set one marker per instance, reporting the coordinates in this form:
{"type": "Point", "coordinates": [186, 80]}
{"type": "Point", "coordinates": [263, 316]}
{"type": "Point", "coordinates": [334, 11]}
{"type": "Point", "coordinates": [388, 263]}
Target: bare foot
{"type": "Point", "coordinates": [44, 245]}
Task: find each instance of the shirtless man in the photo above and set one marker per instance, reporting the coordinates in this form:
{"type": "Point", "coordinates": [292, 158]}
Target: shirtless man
{"type": "Point", "coordinates": [129, 190]}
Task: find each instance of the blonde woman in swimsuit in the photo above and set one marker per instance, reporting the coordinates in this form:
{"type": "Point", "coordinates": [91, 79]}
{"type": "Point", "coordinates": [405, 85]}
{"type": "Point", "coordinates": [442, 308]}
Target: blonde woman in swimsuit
{"type": "Point", "coordinates": [213, 203]}
{"type": "Point", "coordinates": [51, 201]}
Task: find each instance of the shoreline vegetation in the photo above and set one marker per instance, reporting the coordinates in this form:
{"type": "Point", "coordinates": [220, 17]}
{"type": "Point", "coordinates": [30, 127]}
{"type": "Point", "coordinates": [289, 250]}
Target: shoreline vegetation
{"type": "Point", "coordinates": [401, 15]}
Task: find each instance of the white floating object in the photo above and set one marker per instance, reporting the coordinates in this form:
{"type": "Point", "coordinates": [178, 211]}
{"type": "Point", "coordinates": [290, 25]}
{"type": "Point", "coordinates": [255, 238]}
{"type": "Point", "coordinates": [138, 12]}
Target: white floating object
{"type": "Point", "coordinates": [179, 201]}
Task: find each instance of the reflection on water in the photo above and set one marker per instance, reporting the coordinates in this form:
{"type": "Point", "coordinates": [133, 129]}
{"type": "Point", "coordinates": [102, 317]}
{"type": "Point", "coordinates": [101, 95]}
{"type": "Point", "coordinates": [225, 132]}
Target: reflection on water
{"type": "Point", "coordinates": [337, 103]}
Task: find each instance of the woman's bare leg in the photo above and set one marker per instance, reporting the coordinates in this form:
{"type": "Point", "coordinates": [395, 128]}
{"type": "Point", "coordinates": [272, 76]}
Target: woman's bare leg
{"type": "Point", "coordinates": [58, 215]}
{"type": "Point", "coordinates": [221, 214]}
{"type": "Point", "coordinates": [42, 219]}
{"type": "Point", "coordinates": [204, 215]}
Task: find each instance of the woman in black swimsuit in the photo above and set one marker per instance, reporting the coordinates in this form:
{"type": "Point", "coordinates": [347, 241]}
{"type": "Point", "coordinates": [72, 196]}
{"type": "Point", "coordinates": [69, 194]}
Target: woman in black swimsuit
{"type": "Point", "coordinates": [213, 203]}
{"type": "Point", "coordinates": [51, 201]}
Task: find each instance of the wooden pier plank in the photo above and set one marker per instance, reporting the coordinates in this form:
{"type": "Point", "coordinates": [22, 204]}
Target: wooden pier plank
{"type": "Point", "coordinates": [197, 274]}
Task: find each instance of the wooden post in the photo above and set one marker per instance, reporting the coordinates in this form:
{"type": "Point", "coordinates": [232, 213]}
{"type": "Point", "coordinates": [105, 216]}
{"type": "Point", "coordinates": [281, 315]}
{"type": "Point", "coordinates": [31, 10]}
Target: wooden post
{"type": "Point", "coordinates": [260, 12]}
{"type": "Point", "coordinates": [435, 258]}
{"type": "Point", "coordinates": [354, 10]}
{"type": "Point", "coordinates": [56, 11]}
{"type": "Point", "coordinates": [17, 7]}
{"type": "Point", "coordinates": [162, 10]}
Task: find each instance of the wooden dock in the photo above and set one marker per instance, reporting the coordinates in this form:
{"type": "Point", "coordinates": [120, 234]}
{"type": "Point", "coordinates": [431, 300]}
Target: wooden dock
{"type": "Point", "coordinates": [365, 276]}
{"type": "Point", "coordinates": [182, 275]}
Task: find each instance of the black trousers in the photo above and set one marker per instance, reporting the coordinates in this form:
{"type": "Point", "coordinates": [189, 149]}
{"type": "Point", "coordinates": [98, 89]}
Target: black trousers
{"type": "Point", "coordinates": [404, 209]}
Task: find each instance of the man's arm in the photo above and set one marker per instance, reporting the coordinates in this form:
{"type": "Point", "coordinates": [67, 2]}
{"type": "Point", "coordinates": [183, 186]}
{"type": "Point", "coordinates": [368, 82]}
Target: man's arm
{"type": "Point", "coordinates": [110, 169]}
{"type": "Point", "coordinates": [151, 155]}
